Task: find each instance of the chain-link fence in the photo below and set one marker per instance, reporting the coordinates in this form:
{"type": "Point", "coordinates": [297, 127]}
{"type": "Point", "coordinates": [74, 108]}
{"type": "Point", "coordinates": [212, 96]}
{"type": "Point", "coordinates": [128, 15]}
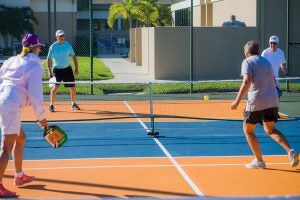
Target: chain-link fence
{"type": "Point", "coordinates": [172, 40]}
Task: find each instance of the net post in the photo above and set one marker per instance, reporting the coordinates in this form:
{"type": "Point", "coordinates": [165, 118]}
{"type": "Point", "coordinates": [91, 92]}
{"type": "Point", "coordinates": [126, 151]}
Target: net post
{"type": "Point", "coordinates": [152, 131]}
{"type": "Point", "coordinates": [91, 44]}
{"type": "Point", "coordinates": [191, 46]}
{"type": "Point", "coordinates": [287, 41]}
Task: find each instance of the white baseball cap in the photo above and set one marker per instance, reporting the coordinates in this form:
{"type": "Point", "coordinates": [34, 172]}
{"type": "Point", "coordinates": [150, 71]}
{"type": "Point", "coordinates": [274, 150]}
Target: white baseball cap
{"type": "Point", "coordinates": [274, 39]}
{"type": "Point", "coordinates": [59, 33]}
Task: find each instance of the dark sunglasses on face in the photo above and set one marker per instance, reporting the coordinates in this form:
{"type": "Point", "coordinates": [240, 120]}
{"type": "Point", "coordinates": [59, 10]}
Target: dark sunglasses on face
{"type": "Point", "coordinates": [273, 43]}
{"type": "Point", "coordinates": [61, 36]}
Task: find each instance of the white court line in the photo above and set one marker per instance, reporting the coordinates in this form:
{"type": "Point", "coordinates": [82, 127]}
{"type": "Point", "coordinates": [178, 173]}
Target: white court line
{"type": "Point", "coordinates": [76, 159]}
{"type": "Point", "coordinates": [136, 166]}
{"type": "Point", "coordinates": [171, 158]}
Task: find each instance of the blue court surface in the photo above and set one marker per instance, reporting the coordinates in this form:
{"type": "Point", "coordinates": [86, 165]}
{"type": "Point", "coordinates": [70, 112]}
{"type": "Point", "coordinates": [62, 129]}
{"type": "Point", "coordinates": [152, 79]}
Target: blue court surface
{"type": "Point", "coordinates": [187, 160]}
{"type": "Point", "coordinates": [129, 139]}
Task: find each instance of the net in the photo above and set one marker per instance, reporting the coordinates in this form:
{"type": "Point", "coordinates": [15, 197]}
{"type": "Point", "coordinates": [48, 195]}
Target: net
{"type": "Point", "coordinates": [158, 102]}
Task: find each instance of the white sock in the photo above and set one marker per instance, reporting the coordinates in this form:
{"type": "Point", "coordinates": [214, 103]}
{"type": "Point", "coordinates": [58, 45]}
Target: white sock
{"type": "Point", "coordinates": [20, 174]}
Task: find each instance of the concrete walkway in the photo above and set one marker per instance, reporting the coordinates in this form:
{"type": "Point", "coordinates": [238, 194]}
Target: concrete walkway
{"type": "Point", "coordinates": [125, 71]}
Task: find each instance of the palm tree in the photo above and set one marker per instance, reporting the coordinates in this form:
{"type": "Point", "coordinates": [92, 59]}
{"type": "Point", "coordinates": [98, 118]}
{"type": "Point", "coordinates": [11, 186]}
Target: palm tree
{"type": "Point", "coordinates": [128, 10]}
{"type": "Point", "coordinates": [148, 14]}
{"type": "Point", "coordinates": [165, 16]}
{"type": "Point", "coordinates": [145, 12]}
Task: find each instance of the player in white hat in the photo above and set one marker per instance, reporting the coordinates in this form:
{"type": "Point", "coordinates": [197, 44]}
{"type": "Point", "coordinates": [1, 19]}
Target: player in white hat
{"type": "Point", "coordinates": [277, 59]}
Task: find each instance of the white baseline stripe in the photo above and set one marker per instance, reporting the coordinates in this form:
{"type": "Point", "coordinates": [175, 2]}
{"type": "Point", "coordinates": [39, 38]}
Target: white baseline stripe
{"type": "Point", "coordinates": [137, 166]}
{"type": "Point", "coordinates": [45, 160]}
{"type": "Point", "coordinates": [175, 163]}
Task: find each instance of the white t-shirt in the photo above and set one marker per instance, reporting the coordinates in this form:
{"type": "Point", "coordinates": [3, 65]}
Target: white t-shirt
{"type": "Point", "coordinates": [275, 58]}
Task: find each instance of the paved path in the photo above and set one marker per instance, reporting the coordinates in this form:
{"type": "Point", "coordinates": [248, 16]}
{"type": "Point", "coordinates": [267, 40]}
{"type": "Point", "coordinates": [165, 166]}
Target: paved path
{"type": "Point", "coordinates": [125, 71]}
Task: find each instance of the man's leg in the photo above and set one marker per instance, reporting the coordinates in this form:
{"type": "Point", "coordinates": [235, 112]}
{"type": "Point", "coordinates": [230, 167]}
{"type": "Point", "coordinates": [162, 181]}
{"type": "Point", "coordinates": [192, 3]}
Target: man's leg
{"type": "Point", "coordinates": [73, 94]}
{"type": "Point", "coordinates": [73, 97]}
{"type": "Point", "coordinates": [276, 135]}
{"type": "Point", "coordinates": [7, 143]}
{"type": "Point", "coordinates": [53, 93]}
{"type": "Point", "coordinates": [252, 140]}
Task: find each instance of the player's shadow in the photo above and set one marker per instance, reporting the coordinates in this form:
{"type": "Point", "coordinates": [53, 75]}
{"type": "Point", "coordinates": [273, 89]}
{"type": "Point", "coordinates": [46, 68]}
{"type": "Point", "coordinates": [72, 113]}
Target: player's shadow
{"type": "Point", "coordinates": [76, 191]}
{"type": "Point", "coordinates": [284, 170]}
{"type": "Point", "coordinates": [43, 188]}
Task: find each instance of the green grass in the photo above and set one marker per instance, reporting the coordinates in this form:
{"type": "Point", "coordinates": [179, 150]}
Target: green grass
{"type": "Point", "coordinates": [163, 88]}
{"type": "Point", "coordinates": [101, 72]}
{"type": "Point", "coordinates": [181, 88]}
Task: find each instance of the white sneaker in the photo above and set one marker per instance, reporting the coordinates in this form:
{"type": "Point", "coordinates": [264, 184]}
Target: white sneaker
{"type": "Point", "coordinates": [294, 158]}
{"type": "Point", "coordinates": [255, 164]}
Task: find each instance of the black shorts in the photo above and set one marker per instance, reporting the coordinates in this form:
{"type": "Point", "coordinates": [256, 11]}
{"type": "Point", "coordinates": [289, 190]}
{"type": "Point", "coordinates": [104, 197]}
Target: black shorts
{"type": "Point", "coordinates": [267, 115]}
{"type": "Point", "coordinates": [65, 75]}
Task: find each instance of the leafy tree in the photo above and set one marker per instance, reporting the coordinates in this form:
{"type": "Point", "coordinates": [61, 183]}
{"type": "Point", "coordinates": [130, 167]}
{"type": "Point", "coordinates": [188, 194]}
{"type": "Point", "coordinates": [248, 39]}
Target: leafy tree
{"type": "Point", "coordinates": [16, 21]}
{"type": "Point", "coordinates": [3, 24]}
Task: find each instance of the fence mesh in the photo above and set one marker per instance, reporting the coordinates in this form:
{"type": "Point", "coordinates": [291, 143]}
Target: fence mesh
{"type": "Point", "coordinates": [179, 48]}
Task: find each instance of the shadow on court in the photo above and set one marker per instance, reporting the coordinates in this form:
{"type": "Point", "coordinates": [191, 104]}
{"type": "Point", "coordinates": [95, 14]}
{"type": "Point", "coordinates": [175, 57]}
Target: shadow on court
{"type": "Point", "coordinates": [76, 190]}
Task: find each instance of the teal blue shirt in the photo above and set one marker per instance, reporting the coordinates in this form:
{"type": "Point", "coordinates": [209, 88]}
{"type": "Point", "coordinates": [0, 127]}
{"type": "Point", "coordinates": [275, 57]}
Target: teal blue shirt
{"type": "Point", "coordinates": [60, 53]}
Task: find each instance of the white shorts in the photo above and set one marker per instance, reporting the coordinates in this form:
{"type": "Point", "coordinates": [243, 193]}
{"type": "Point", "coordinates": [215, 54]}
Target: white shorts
{"type": "Point", "coordinates": [10, 119]}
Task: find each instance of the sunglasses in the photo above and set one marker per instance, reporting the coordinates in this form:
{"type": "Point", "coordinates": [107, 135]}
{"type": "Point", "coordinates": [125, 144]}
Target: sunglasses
{"type": "Point", "coordinates": [273, 43]}
{"type": "Point", "coordinates": [61, 36]}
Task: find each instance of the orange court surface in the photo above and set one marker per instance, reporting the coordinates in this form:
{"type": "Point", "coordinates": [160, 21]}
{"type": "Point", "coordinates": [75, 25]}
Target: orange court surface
{"type": "Point", "coordinates": [109, 154]}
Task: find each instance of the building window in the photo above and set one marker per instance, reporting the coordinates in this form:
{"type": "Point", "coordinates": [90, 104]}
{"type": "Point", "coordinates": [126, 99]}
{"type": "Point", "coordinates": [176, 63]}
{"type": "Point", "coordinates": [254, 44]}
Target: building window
{"type": "Point", "coordinates": [82, 5]}
{"type": "Point", "coordinates": [182, 17]}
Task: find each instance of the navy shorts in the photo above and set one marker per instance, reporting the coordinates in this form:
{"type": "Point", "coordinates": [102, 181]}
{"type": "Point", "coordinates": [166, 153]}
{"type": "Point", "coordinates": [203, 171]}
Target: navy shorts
{"type": "Point", "coordinates": [267, 115]}
{"type": "Point", "coordinates": [65, 75]}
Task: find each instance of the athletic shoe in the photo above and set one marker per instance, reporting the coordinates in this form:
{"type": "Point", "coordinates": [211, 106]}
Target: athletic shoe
{"type": "Point", "coordinates": [75, 107]}
{"type": "Point", "coordinates": [294, 158]}
{"type": "Point", "coordinates": [23, 179]}
{"type": "Point", "coordinates": [51, 108]}
{"type": "Point", "coordinates": [255, 164]}
{"type": "Point", "coordinates": [5, 193]}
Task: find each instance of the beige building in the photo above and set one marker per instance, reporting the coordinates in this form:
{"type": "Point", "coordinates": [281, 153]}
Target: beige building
{"type": "Point", "coordinates": [209, 13]}
{"type": "Point", "coordinates": [217, 52]}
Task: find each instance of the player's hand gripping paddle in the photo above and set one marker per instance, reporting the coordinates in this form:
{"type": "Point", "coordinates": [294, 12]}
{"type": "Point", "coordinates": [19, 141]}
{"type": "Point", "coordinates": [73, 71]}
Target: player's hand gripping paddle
{"type": "Point", "coordinates": [55, 136]}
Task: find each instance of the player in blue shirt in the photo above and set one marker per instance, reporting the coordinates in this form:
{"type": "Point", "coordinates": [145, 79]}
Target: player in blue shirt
{"type": "Point", "coordinates": [59, 67]}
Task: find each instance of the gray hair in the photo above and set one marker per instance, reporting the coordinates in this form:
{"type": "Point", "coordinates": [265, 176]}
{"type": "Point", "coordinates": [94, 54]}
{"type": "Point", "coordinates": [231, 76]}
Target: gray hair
{"type": "Point", "coordinates": [252, 47]}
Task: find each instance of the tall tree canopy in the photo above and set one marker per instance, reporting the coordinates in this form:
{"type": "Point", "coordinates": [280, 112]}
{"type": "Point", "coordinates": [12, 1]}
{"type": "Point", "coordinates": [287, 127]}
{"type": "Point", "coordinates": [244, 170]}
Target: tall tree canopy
{"type": "Point", "coordinates": [15, 22]}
